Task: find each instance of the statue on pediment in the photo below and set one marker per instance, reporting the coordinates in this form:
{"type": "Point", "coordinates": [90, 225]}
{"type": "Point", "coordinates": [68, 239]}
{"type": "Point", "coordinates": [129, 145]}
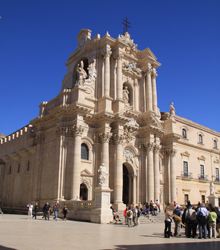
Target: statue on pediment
{"type": "Point", "coordinates": [103, 174]}
{"type": "Point", "coordinates": [92, 71]}
{"type": "Point", "coordinates": [172, 111]}
{"type": "Point", "coordinates": [81, 74]}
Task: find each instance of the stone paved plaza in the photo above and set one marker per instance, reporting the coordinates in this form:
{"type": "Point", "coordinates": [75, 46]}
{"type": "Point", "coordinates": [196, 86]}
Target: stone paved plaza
{"type": "Point", "coordinates": [17, 232]}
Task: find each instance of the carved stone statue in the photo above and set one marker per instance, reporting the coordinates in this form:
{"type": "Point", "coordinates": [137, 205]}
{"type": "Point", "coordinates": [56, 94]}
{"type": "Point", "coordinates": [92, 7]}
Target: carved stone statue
{"type": "Point", "coordinates": [172, 111]}
{"type": "Point", "coordinates": [92, 71]}
{"type": "Point", "coordinates": [81, 74]}
{"type": "Point", "coordinates": [103, 174]}
{"type": "Point", "coordinates": [126, 95]}
{"type": "Point", "coordinates": [212, 192]}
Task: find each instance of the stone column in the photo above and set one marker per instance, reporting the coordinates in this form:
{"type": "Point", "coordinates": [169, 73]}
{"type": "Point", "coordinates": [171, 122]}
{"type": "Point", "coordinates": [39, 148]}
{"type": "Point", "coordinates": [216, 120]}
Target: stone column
{"type": "Point", "coordinates": [144, 93]}
{"type": "Point", "coordinates": [136, 99]}
{"type": "Point", "coordinates": [105, 137]}
{"type": "Point", "coordinates": [156, 173]}
{"type": "Point", "coordinates": [75, 192]}
{"type": "Point", "coordinates": [150, 169]}
{"type": "Point", "coordinates": [130, 189]}
{"type": "Point", "coordinates": [138, 186]}
{"type": "Point", "coordinates": [173, 175]}
{"type": "Point", "coordinates": [119, 56]}
{"type": "Point", "coordinates": [154, 89]}
{"type": "Point", "coordinates": [134, 189]}
{"type": "Point", "coordinates": [107, 54]}
{"type": "Point", "coordinates": [149, 88]}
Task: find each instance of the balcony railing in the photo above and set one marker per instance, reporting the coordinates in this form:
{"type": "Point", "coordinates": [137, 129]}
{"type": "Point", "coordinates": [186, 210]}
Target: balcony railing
{"type": "Point", "coordinates": [203, 177]}
{"type": "Point", "coordinates": [217, 179]}
{"type": "Point", "coordinates": [186, 174]}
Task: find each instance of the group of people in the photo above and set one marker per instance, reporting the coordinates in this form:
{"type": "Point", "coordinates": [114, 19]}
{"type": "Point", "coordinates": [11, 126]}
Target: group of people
{"type": "Point", "coordinates": [204, 219]}
{"type": "Point", "coordinates": [46, 211]}
{"type": "Point", "coordinates": [132, 215]}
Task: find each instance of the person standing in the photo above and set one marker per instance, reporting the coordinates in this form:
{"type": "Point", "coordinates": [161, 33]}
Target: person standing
{"type": "Point", "coordinates": [130, 217]}
{"type": "Point", "coordinates": [177, 212]}
{"type": "Point", "coordinates": [56, 211]}
{"type": "Point", "coordinates": [191, 222]}
{"type": "Point", "coordinates": [212, 222]}
{"type": "Point", "coordinates": [168, 220]}
{"type": "Point", "coordinates": [158, 205]}
{"type": "Point", "coordinates": [218, 221]}
{"type": "Point", "coordinates": [47, 209]}
{"type": "Point", "coordinates": [202, 213]}
{"type": "Point", "coordinates": [125, 215]}
{"type": "Point", "coordinates": [30, 207]}
{"type": "Point", "coordinates": [1, 211]}
{"type": "Point", "coordinates": [64, 213]}
{"type": "Point", "coordinates": [35, 211]}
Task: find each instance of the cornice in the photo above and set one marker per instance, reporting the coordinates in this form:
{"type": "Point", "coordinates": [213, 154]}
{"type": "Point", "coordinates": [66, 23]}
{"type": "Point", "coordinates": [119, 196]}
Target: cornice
{"type": "Point", "coordinates": [196, 125]}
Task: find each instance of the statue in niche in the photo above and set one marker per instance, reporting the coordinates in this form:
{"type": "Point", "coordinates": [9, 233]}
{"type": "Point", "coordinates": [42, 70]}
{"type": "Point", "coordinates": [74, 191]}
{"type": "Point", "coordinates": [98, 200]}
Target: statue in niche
{"type": "Point", "coordinates": [81, 74]}
{"type": "Point", "coordinates": [172, 111]}
{"type": "Point", "coordinates": [92, 71]}
{"type": "Point", "coordinates": [126, 94]}
{"type": "Point", "coordinates": [212, 188]}
{"type": "Point", "coordinates": [103, 174]}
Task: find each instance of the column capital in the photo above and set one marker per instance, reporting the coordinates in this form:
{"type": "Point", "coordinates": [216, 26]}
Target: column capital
{"type": "Point", "coordinates": [118, 139]}
{"type": "Point", "coordinates": [157, 148]}
{"type": "Point", "coordinates": [154, 73]}
{"type": "Point", "coordinates": [170, 152]}
{"type": "Point", "coordinates": [105, 136]}
{"type": "Point", "coordinates": [107, 52]}
{"type": "Point", "coordinates": [118, 55]}
{"type": "Point", "coordinates": [149, 67]}
{"type": "Point", "coordinates": [77, 130]}
{"type": "Point", "coordinates": [149, 146]}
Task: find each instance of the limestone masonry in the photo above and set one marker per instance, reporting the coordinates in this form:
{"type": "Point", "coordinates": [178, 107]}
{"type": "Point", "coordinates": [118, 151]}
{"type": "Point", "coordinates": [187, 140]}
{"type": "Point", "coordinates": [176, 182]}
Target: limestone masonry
{"type": "Point", "coordinates": [106, 115]}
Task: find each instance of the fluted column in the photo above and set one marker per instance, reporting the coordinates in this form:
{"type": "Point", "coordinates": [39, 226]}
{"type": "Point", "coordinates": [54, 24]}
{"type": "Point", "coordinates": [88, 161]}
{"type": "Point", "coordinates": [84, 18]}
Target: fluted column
{"type": "Point", "coordinates": [119, 56]}
{"type": "Point", "coordinates": [154, 89]}
{"type": "Point", "coordinates": [156, 173]}
{"type": "Point", "coordinates": [118, 178]}
{"type": "Point", "coordinates": [105, 137]}
{"type": "Point", "coordinates": [75, 192]}
{"type": "Point", "coordinates": [149, 88]}
{"type": "Point", "coordinates": [107, 54]}
{"type": "Point", "coordinates": [150, 169]}
{"type": "Point", "coordinates": [173, 175]}
{"type": "Point", "coordinates": [134, 189]}
{"type": "Point", "coordinates": [136, 99]}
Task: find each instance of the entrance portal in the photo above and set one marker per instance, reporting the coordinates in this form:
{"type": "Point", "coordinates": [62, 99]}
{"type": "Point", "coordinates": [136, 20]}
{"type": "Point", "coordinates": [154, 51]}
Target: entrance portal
{"type": "Point", "coordinates": [125, 185]}
{"type": "Point", "coordinates": [83, 191]}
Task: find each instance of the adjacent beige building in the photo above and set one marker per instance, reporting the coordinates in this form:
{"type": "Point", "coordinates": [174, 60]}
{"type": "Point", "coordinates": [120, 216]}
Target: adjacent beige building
{"type": "Point", "coordinates": [107, 112]}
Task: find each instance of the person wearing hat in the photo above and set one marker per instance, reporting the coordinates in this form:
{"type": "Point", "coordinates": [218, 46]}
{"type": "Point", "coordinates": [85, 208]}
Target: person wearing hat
{"type": "Point", "coordinates": [202, 213]}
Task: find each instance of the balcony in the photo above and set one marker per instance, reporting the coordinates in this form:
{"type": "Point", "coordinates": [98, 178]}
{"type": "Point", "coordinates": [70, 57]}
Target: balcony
{"type": "Point", "coordinates": [217, 179]}
{"type": "Point", "coordinates": [203, 177]}
{"type": "Point", "coordinates": [186, 174]}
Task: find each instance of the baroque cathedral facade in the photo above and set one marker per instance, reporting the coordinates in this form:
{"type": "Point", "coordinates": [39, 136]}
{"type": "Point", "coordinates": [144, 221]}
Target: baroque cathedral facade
{"type": "Point", "coordinates": [107, 112]}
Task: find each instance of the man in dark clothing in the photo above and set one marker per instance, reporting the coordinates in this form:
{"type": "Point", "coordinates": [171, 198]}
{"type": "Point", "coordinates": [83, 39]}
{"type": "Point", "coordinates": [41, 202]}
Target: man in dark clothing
{"type": "Point", "coordinates": [47, 208]}
{"type": "Point", "coordinates": [218, 221]}
{"type": "Point", "coordinates": [178, 212]}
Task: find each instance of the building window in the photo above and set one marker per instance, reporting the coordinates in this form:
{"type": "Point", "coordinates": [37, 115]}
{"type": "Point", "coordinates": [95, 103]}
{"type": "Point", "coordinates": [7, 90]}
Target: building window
{"type": "Point", "coordinates": [19, 168]}
{"type": "Point", "coordinates": [10, 169]}
{"type": "Point", "coordinates": [84, 152]}
{"type": "Point", "coordinates": [186, 198]}
{"type": "Point", "coordinates": [185, 168]}
{"type": "Point", "coordinates": [28, 166]}
{"type": "Point", "coordinates": [203, 198]}
{"type": "Point", "coordinates": [184, 133]}
{"type": "Point", "coordinates": [215, 144]}
{"type": "Point", "coordinates": [217, 174]}
{"type": "Point", "coordinates": [200, 138]}
{"type": "Point", "coordinates": [202, 171]}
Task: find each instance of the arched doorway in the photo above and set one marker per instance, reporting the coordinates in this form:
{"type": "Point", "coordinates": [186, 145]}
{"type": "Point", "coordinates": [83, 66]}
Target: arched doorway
{"type": "Point", "coordinates": [83, 191]}
{"type": "Point", "coordinates": [125, 197]}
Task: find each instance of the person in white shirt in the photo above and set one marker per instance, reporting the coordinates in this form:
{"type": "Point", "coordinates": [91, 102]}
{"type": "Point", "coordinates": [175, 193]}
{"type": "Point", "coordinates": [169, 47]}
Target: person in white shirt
{"type": "Point", "coordinates": [30, 208]}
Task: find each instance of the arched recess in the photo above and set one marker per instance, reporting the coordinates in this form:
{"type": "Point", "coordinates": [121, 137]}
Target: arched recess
{"type": "Point", "coordinates": [85, 67]}
{"type": "Point", "coordinates": [86, 180]}
{"type": "Point", "coordinates": [89, 143]}
{"type": "Point", "coordinates": [83, 192]}
{"type": "Point", "coordinates": [131, 92]}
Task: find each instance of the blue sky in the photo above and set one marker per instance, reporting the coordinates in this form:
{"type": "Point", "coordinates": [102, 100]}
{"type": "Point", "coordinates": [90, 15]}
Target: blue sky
{"type": "Point", "coordinates": [37, 36]}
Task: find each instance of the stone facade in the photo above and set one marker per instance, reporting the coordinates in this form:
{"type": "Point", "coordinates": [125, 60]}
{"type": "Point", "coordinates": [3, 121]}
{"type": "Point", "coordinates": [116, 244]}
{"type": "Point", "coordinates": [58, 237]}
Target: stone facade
{"type": "Point", "coordinates": [106, 112]}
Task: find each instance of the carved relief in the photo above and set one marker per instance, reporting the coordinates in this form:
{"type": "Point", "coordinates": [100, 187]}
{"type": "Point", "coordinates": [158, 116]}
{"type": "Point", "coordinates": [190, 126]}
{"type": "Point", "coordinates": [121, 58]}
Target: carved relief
{"type": "Point", "coordinates": [81, 74]}
{"type": "Point", "coordinates": [92, 71]}
{"type": "Point", "coordinates": [105, 136]}
{"type": "Point", "coordinates": [131, 47]}
{"type": "Point", "coordinates": [127, 154]}
{"type": "Point", "coordinates": [131, 68]}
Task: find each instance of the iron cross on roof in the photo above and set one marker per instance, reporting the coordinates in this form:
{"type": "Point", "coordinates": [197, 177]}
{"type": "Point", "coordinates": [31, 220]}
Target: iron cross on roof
{"type": "Point", "coordinates": [126, 26]}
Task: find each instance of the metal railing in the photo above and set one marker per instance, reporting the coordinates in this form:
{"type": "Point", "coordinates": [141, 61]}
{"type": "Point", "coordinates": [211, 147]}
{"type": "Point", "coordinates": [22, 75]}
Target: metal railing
{"type": "Point", "coordinates": [217, 179]}
{"type": "Point", "coordinates": [186, 174]}
{"type": "Point", "coordinates": [203, 177]}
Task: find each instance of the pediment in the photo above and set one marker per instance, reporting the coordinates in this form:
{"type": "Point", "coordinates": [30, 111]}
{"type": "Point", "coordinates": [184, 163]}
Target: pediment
{"type": "Point", "coordinates": [151, 54]}
{"type": "Point", "coordinates": [216, 160]}
{"type": "Point", "coordinates": [86, 172]}
{"type": "Point", "coordinates": [202, 158]}
{"type": "Point", "coordinates": [186, 153]}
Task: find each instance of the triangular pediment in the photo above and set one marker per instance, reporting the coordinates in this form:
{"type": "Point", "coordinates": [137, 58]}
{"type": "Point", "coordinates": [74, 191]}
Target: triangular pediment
{"type": "Point", "coordinates": [151, 54]}
{"type": "Point", "coordinates": [186, 153]}
{"type": "Point", "coordinates": [202, 158]}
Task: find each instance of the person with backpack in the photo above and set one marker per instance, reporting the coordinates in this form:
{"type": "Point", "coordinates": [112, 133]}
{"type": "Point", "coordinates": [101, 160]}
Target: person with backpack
{"type": "Point", "coordinates": [191, 221]}
{"type": "Point", "coordinates": [177, 212]}
{"type": "Point", "coordinates": [135, 214]}
{"type": "Point", "coordinates": [202, 213]}
{"type": "Point", "coordinates": [130, 217]}
{"type": "Point", "coordinates": [138, 215]}
{"type": "Point", "coordinates": [212, 222]}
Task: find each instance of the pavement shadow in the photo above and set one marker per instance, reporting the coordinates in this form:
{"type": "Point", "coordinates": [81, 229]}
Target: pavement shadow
{"type": "Point", "coordinates": [214, 245]}
{"type": "Point", "coordinates": [6, 248]}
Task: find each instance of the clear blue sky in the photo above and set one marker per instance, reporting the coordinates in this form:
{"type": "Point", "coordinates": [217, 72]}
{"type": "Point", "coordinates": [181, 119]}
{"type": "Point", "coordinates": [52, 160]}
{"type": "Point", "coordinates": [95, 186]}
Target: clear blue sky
{"type": "Point", "coordinates": [37, 36]}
